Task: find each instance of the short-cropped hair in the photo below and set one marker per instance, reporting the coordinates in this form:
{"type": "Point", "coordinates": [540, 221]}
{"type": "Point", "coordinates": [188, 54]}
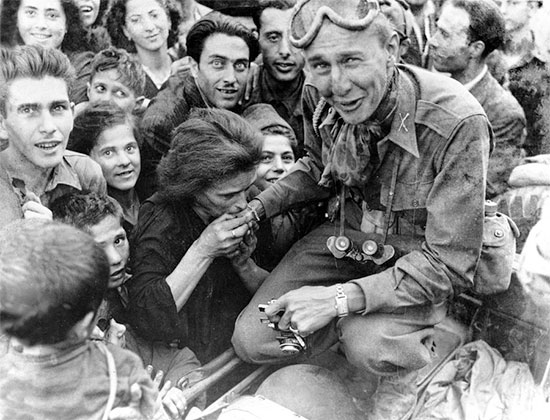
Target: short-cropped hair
{"type": "Point", "coordinates": [130, 71]}
{"type": "Point", "coordinates": [94, 120]}
{"type": "Point", "coordinates": [116, 20]}
{"type": "Point", "coordinates": [217, 23]}
{"type": "Point", "coordinates": [280, 130]}
{"type": "Point", "coordinates": [85, 210]}
{"type": "Point", "coordinates": [213, 145]}
{"type": "Point", "coordinates": [267, 4]}
{"type": "Point", "coordinates": [487, 23]}
{"type": "Point", "coordinates": [34, 62]}
{"type": "Point", "coordinates": [51, 276]}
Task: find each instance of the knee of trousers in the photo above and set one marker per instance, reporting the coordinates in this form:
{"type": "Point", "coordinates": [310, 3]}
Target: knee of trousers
{"type": "Point", "coordinates": [362, 345]}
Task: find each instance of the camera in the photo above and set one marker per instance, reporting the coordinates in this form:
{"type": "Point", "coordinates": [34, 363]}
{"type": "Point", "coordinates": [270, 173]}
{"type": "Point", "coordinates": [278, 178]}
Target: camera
{"type": "Point", "coordinates": [289, 342]}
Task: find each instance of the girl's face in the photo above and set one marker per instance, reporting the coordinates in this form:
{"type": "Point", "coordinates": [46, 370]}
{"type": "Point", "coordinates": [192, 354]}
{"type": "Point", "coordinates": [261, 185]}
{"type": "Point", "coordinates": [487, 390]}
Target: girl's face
{"type": "Point", "coordinates": [42, 22]}
{"type": "Point", "coordinates": [277, 159]}
{"type": "Point", "coordinates": [117, 153]}
{"type": "Point", "coordinates": [147, 24]}
{"type": "Point", "coordinates": [88, 9]}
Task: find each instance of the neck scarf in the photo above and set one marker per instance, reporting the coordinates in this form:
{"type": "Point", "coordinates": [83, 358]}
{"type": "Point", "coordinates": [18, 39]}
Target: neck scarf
{"type": "Point", "coordinates": [352, 155]}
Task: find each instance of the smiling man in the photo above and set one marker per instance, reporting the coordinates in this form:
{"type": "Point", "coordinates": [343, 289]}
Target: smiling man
{"type": "Point", "coordinates": [36, 119]}
{"type": "Point", "coordinates": [220, 51]}
{"type": "Point", "coordinates": [467, 31]}
{"type": "Point", "coordinates": [403, 152]}
{"type": "Point", "coordinates": [281, 75]}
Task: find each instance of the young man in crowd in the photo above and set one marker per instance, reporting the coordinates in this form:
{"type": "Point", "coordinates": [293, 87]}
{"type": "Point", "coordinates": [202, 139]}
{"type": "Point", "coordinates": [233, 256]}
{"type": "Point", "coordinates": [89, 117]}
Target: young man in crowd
{"type": "Point", "coordinates": [220, 50]}
{"type": "Point", "coordinates": [36, 118]}
{"type": "Point", "coordinates": [403, 152]}
{"type": "Point", "coordinates": [467, 32]}
{"type": "Point", "coordinates": [281, 76]}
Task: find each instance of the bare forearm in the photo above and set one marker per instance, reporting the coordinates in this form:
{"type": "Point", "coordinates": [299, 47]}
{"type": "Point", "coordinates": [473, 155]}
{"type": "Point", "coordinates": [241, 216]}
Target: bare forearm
{"type": "Point", "coordinates": [251, 275]}
{"type": "Point", "coordinates": [187, 274]}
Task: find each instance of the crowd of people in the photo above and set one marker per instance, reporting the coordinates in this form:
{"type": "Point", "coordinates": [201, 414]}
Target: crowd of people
{"type": "Point", "coordinates": [165, 169]}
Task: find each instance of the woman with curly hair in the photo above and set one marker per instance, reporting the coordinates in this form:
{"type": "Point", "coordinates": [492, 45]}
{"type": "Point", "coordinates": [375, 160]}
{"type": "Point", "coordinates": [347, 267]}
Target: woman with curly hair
{"type": "Point", "coordinates": [50, 23]}
{"type": "Point", "coordinates": [92, 17]}
{"type": "Point", "coordinates": [147, 28]}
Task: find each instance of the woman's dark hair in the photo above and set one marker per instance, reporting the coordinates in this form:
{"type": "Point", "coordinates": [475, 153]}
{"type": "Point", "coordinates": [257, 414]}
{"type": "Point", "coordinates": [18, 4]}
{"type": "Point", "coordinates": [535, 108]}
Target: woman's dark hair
{"type": "Point", "coordinates": [75, 39]}
{"type": "Point", "coordinates": [101, 14]}
{"type": "Point", "coordinates": [214, 23]}
{"type": "Point", "coordinates": [116, 20]}
{"type": "Point", "coordinates": [212, 145]}
{"type": "Point", "coordinates": [93, 121]}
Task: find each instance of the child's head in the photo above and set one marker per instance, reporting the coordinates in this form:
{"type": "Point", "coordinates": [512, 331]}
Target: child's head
{"type": "Point", "coordinates": [116, 77]}
{"type": "Point", "coordinates": [108, 135]}
{"type": "Point", "coordinates": [279, 147]}
{"type": "Point", "coordinates": [101, 217]}
{"type": "Point", "coordinates": [52, 277]}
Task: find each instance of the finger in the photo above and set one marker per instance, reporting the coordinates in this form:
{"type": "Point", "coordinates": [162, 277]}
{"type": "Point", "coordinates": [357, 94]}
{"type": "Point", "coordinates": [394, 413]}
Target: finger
{"type": "Point", "coordinates": [158, 378]}
{"type": "Point", "coordinates": [149, 370]}
{"type": "Point", "coordinates": [274, 309]}
{"type": "Point", "coordinates": [165, 388]}
{"type": "Point", "coordinates": [97, 334]}
{"type": "Point", "coordinates": [135, 396]}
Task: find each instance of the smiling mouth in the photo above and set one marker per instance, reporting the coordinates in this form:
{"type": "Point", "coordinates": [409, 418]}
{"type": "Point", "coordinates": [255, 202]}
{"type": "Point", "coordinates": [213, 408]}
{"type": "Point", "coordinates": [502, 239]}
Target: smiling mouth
{"type": "Point", "coordinates": [228, 92]}
{"type": "Point", "coordinates": [273, 180]}
{"type": "Point", "coordinates": [86, 9]}
{"type": "Point", "coordinates": [48, 145]}
{"type": "Point", "coordinates": [349, 106]}
{"type": "Point", "coordinates": [41, 36]}
{"type": "Point", "coordinates": [285, 66]}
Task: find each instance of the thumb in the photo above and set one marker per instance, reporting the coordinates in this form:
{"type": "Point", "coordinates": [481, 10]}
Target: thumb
{"type": "Point", "coordinates": [135, 396]}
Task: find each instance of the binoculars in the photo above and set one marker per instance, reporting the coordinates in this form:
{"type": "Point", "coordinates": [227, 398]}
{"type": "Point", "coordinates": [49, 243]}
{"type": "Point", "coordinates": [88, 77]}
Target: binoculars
{"type": "Point", "coordinates": [370, 250]}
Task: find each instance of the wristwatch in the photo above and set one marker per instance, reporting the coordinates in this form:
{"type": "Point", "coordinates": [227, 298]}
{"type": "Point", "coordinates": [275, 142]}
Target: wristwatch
{"type": "Point", "coordinates": [341, 301]}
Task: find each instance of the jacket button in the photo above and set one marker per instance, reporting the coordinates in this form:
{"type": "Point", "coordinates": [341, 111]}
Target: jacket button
{"type": "Point", "coordinates": [499, 233]}
{"type": "Point", "coordinates": [415, 203]}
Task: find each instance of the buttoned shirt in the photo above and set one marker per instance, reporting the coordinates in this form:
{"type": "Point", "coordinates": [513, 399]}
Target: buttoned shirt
{"type": "Point", "coordinates": [75, 172]}
{"type": "Point", "coordinates": [441, 136]}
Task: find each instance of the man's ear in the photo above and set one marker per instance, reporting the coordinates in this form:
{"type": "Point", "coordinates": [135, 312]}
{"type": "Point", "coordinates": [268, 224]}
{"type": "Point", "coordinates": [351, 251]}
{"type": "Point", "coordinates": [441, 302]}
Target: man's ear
{"type": "Point", "coordinates": [88, 87]}
{"type": "Point", "coordinates": [193, 67]}
{"type": "Point", "coordinates": [392, 47]}
{"type": "Point", "coordinates": [4, 140]}
{"type": "Point", "coordinates": [83, 328]}
{"type": "Point", "coordinates": [477, 48]}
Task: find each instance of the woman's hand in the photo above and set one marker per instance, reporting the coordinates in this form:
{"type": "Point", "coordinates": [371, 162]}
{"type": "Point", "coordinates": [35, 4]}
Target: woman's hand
{"type": "Point", "coordinates": [222, 237]}
{"type": "Point", "coordinates": [245, 249]}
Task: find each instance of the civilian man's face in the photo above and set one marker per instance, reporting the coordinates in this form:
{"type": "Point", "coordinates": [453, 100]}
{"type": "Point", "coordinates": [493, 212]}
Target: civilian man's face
{"type": "Point", "coordinates": [450, 45]}
{"type": "Point", "coordinates": [107, 87]}
{"type": "Point", "coordinates": [38, 121]}
{"type": "Point", "coordinates": [517, 13]}
{"type": "Point", "coordinates": [223, 70]}
{"type": "Point", "coordinates": [280, 59]}
{"type": "Point", "coordinates": [351, 69]}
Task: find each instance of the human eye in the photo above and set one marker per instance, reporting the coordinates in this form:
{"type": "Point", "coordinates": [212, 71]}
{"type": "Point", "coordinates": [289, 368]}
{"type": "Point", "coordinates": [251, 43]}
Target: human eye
{"type": "Point", "coordinates": [30, 12]}
{"type": "Point", "coordinates": [120, 239]}
{"type": "Point", "coordinates": [241, 66]}
{"type": "Point", "coordinates": [107, 153]}
{"type": "Point", "coordinates": [53, 14]}
{"type": "Point", "coordinates": [218, 63]}
{"type": "Point", "coordinates": [266, 158]}
{"type": "Point", "coordinates": [131, 148]}
{"type": "Point", "coordinates": [134, 19]}
{"type": "Point", "coordinates": [58, 108]}
{"type": "Point", "coordinates": [100, 88]}
{"type": "Point", "coordinates": [351, 61]}
{"type": "Point", "coordinates": [289, 158]}
{"type": "Point", "coordinates": [320, 67]}
{"type": "Point", "coordinates": [121, 94]}
{"type": "Point", "coordinates": [273, 37]}
{"type": "Point", "coordinates": [28, 110]}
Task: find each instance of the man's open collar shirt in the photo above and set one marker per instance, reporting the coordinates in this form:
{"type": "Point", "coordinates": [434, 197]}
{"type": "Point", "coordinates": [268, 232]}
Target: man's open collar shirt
{"type": "Point", "coordinates": [442, 137]}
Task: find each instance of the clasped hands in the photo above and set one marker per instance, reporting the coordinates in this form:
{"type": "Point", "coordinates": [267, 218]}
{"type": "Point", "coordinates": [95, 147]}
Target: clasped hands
{"type": "Point", "coordinates": [231, 236]}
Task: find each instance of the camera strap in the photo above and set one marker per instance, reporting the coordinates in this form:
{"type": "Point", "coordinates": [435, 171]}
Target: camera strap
{"type": "Point", "coordinates": [396, 157]}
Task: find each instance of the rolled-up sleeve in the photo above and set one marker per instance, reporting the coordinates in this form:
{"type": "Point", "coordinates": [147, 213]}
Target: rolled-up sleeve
{"type": "Point", "coordinates": [152, 310]}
